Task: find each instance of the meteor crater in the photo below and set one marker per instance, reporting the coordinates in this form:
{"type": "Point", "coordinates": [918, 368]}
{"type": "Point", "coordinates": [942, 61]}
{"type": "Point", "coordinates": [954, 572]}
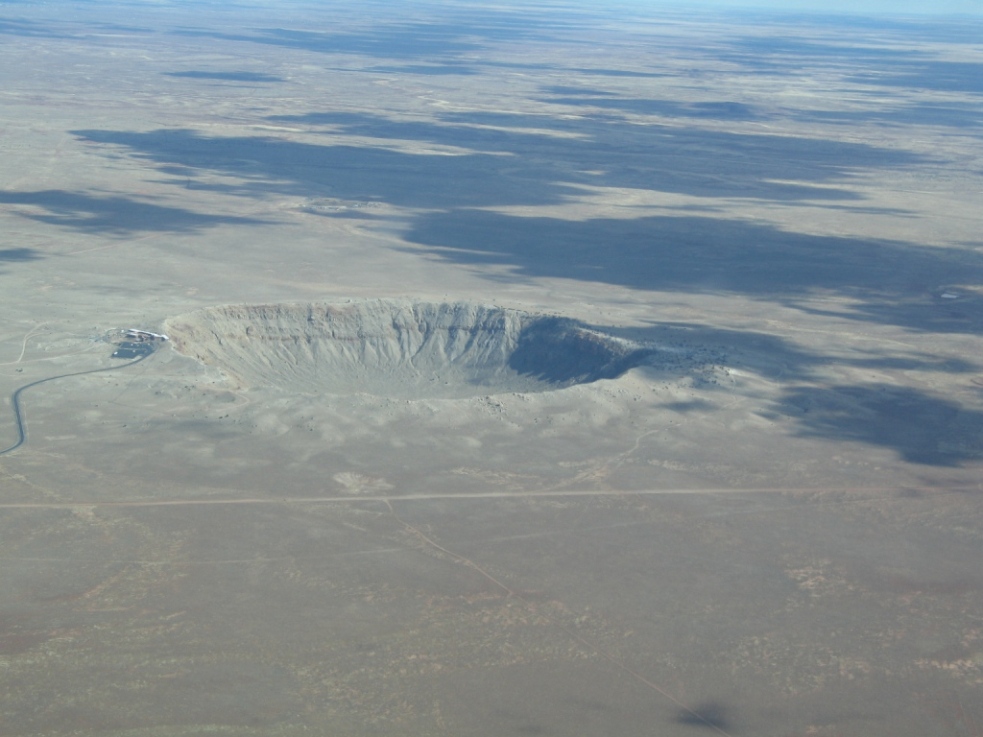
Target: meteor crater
{"type": "Point", "coordinates": [400, 348]}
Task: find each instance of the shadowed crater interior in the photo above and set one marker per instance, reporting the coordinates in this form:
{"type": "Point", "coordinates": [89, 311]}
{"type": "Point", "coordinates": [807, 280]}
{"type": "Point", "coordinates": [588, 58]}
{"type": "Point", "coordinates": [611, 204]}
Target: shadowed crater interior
{"type": "Point", "coordinates": [402, 349]}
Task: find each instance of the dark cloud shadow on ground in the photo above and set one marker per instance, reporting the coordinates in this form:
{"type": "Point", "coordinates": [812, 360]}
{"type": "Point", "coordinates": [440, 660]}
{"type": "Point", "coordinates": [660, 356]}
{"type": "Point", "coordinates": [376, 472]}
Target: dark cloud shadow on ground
{"type": "Point", "coordinates": [113, 215]}
{"type": "Point", "coordinates": [920, 427]}
{"type": "Point", "coordinates": [949, 115]}
{"type": "Point", "coordinates": [899, 27]}
{"type": "Point", "coordinates": [785, 361]}
{"type": "Point", "coordinates": [889, 282]}
{"type": "Point", "coordinates": [18, 255]}
{"type": "Point", "coordinates": [559, 89]}
{"type": "Point", "coordinates": [667, 108]}
{"type": "Point", "coordinates": [554, 153]}
{"type": "Point", "coordinates": [429, 70]}
{"type": "Point", "coordinates": [520, 160]}
{"type": "Point", "coordinates": [227, 76]}
{"type": "Point", "coordinates": [500, 167]}
{"type": "Point", "coordinates": [28, 29]}
{"type": "Point", "coordinates": [765, 47]}
{"type": "Point", "coordinates": [710, 715]}
{"type": "Point", "coordinates": [884, 45]}
{"type": "Point", "coordinates": [885, 62]}
{"type": "Point", "coordinates": [124, 28]}
{"type": "Point", "coordinates": [937, 76]}
{"type": "Point", "coordinates": [558, 69]}
{"type": "Point", "coordinates": [626, 73]}
{"type": "Point", "coordinates": [926, 311]}
{"type": "Point", "coordinates": [653, 156]}
{"type": "Point", "coordinates": [269, 165]}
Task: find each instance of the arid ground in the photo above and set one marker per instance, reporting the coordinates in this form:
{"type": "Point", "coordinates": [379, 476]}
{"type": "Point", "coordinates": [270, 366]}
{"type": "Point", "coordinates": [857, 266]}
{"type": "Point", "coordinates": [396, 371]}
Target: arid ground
{"type": "Point", "coordinates": [533, 370]}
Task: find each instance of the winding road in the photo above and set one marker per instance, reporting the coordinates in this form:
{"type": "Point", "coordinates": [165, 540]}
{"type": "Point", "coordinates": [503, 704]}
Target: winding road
{"type": "Point", "coordinates": [15, 397]}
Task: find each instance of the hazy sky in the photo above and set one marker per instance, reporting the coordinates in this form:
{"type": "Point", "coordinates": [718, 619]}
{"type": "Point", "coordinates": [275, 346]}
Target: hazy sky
{"type": "Point", "coordinates": [898, 7]}
{"type": "Point", "coordinates": [934, 7]}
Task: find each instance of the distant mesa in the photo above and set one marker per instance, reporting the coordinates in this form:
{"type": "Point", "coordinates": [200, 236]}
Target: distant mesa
{"type": "Point", "coordinates": [400, 348]}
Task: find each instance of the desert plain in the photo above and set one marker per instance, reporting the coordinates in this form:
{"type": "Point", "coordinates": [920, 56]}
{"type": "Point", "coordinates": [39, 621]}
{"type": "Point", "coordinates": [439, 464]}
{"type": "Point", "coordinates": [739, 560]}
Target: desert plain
{"type": "Point", "coordinates": [538, 369]}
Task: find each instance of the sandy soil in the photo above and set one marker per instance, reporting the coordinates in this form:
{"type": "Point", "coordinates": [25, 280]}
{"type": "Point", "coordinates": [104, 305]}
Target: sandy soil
{"type": "Point", "coordinates": [734, 488]}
